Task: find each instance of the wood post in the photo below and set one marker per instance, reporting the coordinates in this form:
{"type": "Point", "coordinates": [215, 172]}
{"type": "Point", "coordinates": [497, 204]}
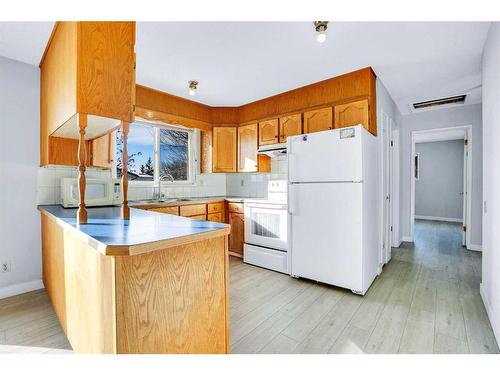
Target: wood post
{"type": "Point", "coordinates": [82, 156]}
{"type": "Point", "coordinates": [125, 207]}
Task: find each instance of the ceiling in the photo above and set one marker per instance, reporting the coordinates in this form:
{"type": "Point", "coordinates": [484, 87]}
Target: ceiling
{"type": "Point", "coordinates": [240, 62]}
{"type": "Point", "coordinates": [24, 41]}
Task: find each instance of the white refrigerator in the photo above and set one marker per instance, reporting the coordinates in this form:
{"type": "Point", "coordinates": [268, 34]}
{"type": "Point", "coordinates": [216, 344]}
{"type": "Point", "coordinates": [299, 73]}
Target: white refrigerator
{"type": "Point", "coordinates": [334, 207]}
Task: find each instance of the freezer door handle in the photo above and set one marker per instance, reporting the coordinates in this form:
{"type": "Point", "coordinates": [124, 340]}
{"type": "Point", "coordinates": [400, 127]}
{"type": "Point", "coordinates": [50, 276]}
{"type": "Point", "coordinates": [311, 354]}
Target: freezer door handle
{"type": "Point", "coordinates": [290, 162]}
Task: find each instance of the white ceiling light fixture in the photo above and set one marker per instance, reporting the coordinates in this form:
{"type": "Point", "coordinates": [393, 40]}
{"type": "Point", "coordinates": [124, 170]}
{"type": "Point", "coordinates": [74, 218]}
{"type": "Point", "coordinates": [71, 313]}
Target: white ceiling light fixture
{"type": "Point", "coordinates": [321, 27]}
{"type": "Point", "coordinates": [193, 85]}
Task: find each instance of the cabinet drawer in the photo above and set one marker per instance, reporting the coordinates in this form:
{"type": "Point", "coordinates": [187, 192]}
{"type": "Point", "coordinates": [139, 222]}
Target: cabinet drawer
{"type": "Point", "coordinates": [167, 210]}
{"type": "Point", "coordinates": [215, 207]}
{"type": "Point", "coordinates": [217, 217]}
{"type": "Point", "coordinates": [199, 217]}
{"type": "Point", "coordinates": [194, 209]}
{"type": "Point", "coordinates": [235, 207]}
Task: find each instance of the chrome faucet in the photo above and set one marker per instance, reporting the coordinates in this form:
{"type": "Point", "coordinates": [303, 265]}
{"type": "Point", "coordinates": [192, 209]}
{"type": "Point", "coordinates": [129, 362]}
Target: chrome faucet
{"type": "Point", "coordinates": [160, 196]}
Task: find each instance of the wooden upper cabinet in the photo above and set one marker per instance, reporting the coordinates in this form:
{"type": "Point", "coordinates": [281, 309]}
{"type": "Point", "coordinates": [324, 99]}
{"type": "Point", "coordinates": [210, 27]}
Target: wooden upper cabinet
{"type": "Point", "coordinates": [247, 148]}
{"type": "Point", "coordinates": [101, 151]}
{"type": "Point", "coordinates": [224, 149]}
{"type": "Point", "coordinates": [106, 69]}
{"type": "Point", "coordinates": [268, 132]}
{"type": "Point", "coordinates": [88, 68]}
{"type": "Point", "coordinates": [318, 120]}
{"type": "Point", "coordinates": [353, 113]}
{"type": "Point", "coordinates": [290, 125]}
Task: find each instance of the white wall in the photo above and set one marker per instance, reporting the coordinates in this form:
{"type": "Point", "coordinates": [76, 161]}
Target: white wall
{"type": "Point", "coordinates": [490, 287]}
{"type": "Point", "coordinates": [441, 180]}
{"type": "Point", "coordinates": [443, 118]}
{"type": "Point", "coordinates": [19, 160]}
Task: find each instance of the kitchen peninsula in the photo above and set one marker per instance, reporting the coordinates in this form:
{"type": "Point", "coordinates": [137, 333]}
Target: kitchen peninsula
{"type": "Point", "coordinates": [155, 283]}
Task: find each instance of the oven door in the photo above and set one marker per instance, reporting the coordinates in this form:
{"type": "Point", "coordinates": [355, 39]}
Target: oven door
{"type": "Point", "coordinates": [266, 225]}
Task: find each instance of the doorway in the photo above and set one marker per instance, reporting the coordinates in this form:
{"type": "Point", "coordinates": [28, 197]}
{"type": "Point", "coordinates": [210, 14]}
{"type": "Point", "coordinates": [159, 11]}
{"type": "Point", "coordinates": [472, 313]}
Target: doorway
{"type": "Point", "coordinates": [442, 204]}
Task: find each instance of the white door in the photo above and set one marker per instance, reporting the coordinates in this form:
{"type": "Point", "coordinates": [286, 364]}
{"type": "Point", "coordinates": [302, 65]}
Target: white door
{"type": "Point", "coordinates": [326, 233]}
{"type": "Point", "coordinates": [326, 156]}
{"type": "Point", "coordinates": [386, 188]}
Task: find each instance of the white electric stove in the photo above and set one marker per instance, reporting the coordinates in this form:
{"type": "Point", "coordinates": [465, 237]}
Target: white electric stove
{"type": "Point", "coordinates": [266, 224]}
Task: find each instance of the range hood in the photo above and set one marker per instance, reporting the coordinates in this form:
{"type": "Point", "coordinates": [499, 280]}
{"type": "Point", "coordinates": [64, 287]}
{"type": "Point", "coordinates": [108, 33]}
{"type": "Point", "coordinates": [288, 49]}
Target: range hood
{"type": "Point", "coordinates": [275, 150]}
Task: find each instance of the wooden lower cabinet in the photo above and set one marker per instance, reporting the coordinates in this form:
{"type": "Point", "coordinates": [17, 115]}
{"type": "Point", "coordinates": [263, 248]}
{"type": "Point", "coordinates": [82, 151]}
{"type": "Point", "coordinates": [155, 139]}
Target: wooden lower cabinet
{"type": "Point", "coordinates": [193, 210]}
{"type": "Point", "coordinates": [198, 217]}
{"type": "Point", "coordinates": [122, 304]}
{"type": "Point", "coordinates": [167, 210]}
{"type": "Point", "coordinates": [216, 217]}
{"type": "Point", "coordinates": [237, 222]}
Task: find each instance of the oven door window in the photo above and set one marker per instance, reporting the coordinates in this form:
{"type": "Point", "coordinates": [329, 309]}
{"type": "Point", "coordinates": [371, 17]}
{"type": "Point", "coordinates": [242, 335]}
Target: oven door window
{"type": "Point", "coordinates": [266, 224]}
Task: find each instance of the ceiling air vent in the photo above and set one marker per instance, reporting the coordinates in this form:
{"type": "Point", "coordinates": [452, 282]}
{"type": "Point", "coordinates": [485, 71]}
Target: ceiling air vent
{"type": "Point", "coordinates": [459, 99]}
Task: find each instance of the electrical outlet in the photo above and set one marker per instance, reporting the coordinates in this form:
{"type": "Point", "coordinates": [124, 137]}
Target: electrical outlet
{"type": "Point", "coordinates": [5, 267]}
{"type": "Point", "coordinates": [242, 182]}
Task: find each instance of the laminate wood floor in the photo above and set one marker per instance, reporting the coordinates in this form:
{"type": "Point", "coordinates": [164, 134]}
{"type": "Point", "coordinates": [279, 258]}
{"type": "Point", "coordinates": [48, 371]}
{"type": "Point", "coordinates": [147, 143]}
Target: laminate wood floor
{"type": "Point", "coordinates": [425, 301]}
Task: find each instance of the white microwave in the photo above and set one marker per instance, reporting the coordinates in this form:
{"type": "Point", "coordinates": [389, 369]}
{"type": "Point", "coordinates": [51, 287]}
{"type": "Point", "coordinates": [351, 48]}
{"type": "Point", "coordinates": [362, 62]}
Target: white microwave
{"type": "Point", "coordinates": [98, 192]}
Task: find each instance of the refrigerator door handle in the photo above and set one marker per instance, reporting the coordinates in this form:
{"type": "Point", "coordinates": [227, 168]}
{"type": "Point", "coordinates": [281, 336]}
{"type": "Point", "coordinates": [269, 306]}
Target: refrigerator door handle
{"type": "Point", "coordinates": [290, 200]}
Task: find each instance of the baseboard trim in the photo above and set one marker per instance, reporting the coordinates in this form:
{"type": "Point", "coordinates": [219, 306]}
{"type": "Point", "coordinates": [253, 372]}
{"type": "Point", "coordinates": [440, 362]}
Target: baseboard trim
{"type": "Point", "coordinates": [237, 255]}
{"type": "Point", "coordinates": [406, 239]}
{"type": "Point", "coordinates": [494, 323]}
{"type": "Point", "coordinates": [439, 218]}
{"type": "Point", "coordinates": [475, 247]}
{"type": "Point", "coordinates": [15, 289]}
{"type": "Point", "coordinates": [397, 244]}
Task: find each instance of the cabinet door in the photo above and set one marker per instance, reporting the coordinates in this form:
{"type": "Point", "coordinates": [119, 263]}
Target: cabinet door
{"type": "Point", "coordinates": [101, 151]}
{"type": "Point", "coordinates": [224, 149]}
{"type": "Point", "coordinates": [318, 120]}
{"type": "Point", "coordinates": [353, 113]}
{"type": "Point", "coordinates": [290, 125]}
{"type": "Point", "coordinates": [247, 148]}
{"type": "Point", "coordinates": [236, 238]}
{"type": "Point", "coordinates": [268, 132]}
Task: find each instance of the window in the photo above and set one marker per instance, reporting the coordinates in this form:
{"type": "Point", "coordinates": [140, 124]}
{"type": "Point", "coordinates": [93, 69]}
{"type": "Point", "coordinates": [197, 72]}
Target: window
{"type": "Point", "coordinates": [157, 151]}
{"type": "Point", "coordinates": [174, 154]}
{"type": "Point", "coordinates": [141, 151]}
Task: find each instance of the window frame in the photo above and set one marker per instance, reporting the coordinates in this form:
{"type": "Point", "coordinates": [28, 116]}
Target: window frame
{"type": "Point", "coordinates": [156, 155]}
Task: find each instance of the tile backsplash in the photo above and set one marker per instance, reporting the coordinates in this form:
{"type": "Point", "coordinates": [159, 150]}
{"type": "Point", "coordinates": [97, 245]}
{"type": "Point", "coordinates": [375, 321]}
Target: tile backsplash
{"type": "Point", "coordinates": [207, 184]}
{"type": "Point", "coordinates": [255, 184]}
{"type": "Point", "coordinates": [48, 189]}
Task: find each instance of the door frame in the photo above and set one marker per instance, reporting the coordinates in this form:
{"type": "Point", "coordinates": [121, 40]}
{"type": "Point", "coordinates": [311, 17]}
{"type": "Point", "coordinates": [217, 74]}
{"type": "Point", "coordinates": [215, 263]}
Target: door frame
{"type": "Point", "coordinates": [388, 186]}
{"type": "Point", "coordinates": [444, 134]}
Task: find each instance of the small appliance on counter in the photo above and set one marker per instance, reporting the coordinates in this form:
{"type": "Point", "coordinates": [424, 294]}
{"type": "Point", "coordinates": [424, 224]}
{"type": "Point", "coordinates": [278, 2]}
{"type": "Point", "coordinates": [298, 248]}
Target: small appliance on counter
{"type": "Point", "coordinates": [266, 223]}
{"type": "Point", "coordinates": [98, 192]}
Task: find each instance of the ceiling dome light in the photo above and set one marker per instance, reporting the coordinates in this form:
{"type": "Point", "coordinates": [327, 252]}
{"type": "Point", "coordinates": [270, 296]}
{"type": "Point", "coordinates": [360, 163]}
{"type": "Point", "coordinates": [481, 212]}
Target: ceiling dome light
{"type": "Point", "coordinates": [321, 27]}
{"type": "Point", "coordinates": [193, 85]}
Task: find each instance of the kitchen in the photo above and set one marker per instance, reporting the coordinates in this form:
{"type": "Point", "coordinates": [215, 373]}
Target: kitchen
{"type": "Point", "coordinates": [275, 205]}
